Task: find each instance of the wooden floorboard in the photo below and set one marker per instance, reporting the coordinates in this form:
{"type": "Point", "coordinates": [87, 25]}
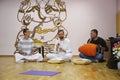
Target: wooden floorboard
{"type": "Point", "coordinates": [9, 70]}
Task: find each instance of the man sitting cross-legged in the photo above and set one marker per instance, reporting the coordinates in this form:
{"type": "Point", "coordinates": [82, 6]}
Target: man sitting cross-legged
{"type": "Point", "coordinates": [62, 48]}
{"type": "Point", "coordinates": [100, 42]}
{"type": "Point", "coordinates": [26, 49]}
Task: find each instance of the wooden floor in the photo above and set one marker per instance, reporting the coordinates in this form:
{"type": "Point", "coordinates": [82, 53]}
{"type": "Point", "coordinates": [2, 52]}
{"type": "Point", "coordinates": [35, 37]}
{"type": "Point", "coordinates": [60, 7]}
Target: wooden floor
{"type": "Point", "coordinates": [9, 70]}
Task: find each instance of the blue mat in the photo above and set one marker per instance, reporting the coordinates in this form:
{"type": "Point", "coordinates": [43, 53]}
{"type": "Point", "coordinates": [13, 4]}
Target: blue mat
{"type": "Point", "coordinates": [40, 73]}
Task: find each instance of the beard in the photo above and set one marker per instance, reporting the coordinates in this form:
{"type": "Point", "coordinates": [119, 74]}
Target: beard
{"type": "Point", "coordinates": [61, 38]}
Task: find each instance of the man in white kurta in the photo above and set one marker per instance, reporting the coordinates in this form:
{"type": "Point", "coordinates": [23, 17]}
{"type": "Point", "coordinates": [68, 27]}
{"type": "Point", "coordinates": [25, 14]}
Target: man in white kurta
{"type": "Point", "coordinates": [26, 49]}
{"type": "Point", "coordinates": [62, 48]}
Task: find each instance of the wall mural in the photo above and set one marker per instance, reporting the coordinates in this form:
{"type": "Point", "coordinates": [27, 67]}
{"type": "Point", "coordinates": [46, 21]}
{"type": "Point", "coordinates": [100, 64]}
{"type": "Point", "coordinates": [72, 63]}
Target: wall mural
{"type": "Point", "coordinates": [43, 18]}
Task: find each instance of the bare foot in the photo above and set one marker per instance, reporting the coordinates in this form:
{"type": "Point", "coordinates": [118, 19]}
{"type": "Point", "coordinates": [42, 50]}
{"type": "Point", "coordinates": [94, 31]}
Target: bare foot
{"type": "Point", "coordinates": [44, 59]}
{"type": "Point", "coordinates": [95, 61]}
{"type": "Point", "coordinates": [26, 60]}
{"type": "Point", "coordinates": [35, 60]}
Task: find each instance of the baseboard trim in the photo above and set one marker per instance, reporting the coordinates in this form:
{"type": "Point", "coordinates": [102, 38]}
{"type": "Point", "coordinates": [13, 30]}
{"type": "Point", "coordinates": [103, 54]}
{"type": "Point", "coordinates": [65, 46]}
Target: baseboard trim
{"type": "Point", "coordinates": [13, 55]}
{"type": "Point", "coordinates": [6, 55]}
{"type": "Point", "coordinates": [75, 55]}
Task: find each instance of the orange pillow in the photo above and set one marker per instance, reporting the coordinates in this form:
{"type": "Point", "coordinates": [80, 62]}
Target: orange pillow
{"type": "Point", "coordinates": [88, 49]}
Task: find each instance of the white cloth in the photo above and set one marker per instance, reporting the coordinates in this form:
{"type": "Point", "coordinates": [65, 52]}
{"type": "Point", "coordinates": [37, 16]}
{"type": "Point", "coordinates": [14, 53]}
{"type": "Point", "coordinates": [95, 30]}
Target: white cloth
{"type": "Point", "coordinates": [65, 44]}
{"type": "Point", "coordinates": [19, 56]}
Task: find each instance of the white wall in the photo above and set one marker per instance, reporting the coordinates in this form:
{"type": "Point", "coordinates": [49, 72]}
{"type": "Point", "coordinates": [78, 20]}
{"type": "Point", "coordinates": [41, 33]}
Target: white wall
{"type": "Point", "coordinates": [118, 5]}
{"type": "Point", "coordinates": [9, 26]}
{"type": "Point", "coordinates": [83, 15]}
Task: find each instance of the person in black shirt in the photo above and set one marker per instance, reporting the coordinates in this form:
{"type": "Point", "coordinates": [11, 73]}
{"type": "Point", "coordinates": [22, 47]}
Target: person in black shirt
{"type": "Point", "coordinates": [101, 46]}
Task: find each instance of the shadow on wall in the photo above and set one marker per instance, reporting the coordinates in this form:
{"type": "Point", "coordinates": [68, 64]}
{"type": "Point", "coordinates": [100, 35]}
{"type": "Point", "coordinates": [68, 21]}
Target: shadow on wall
{"type": "Point", "coordinates": [118, 23]}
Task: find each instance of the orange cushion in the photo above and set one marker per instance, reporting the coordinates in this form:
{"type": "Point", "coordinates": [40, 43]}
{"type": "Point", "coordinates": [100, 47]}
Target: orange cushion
{"type": "Point", "coordinates": [88, 49]}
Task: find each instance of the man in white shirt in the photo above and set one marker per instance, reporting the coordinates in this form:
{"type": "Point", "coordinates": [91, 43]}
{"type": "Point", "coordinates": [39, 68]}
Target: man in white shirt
{"type": "Point", "coordinates": [62, 48]}
{"type": "Point", "coordinates": [26, 49]}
